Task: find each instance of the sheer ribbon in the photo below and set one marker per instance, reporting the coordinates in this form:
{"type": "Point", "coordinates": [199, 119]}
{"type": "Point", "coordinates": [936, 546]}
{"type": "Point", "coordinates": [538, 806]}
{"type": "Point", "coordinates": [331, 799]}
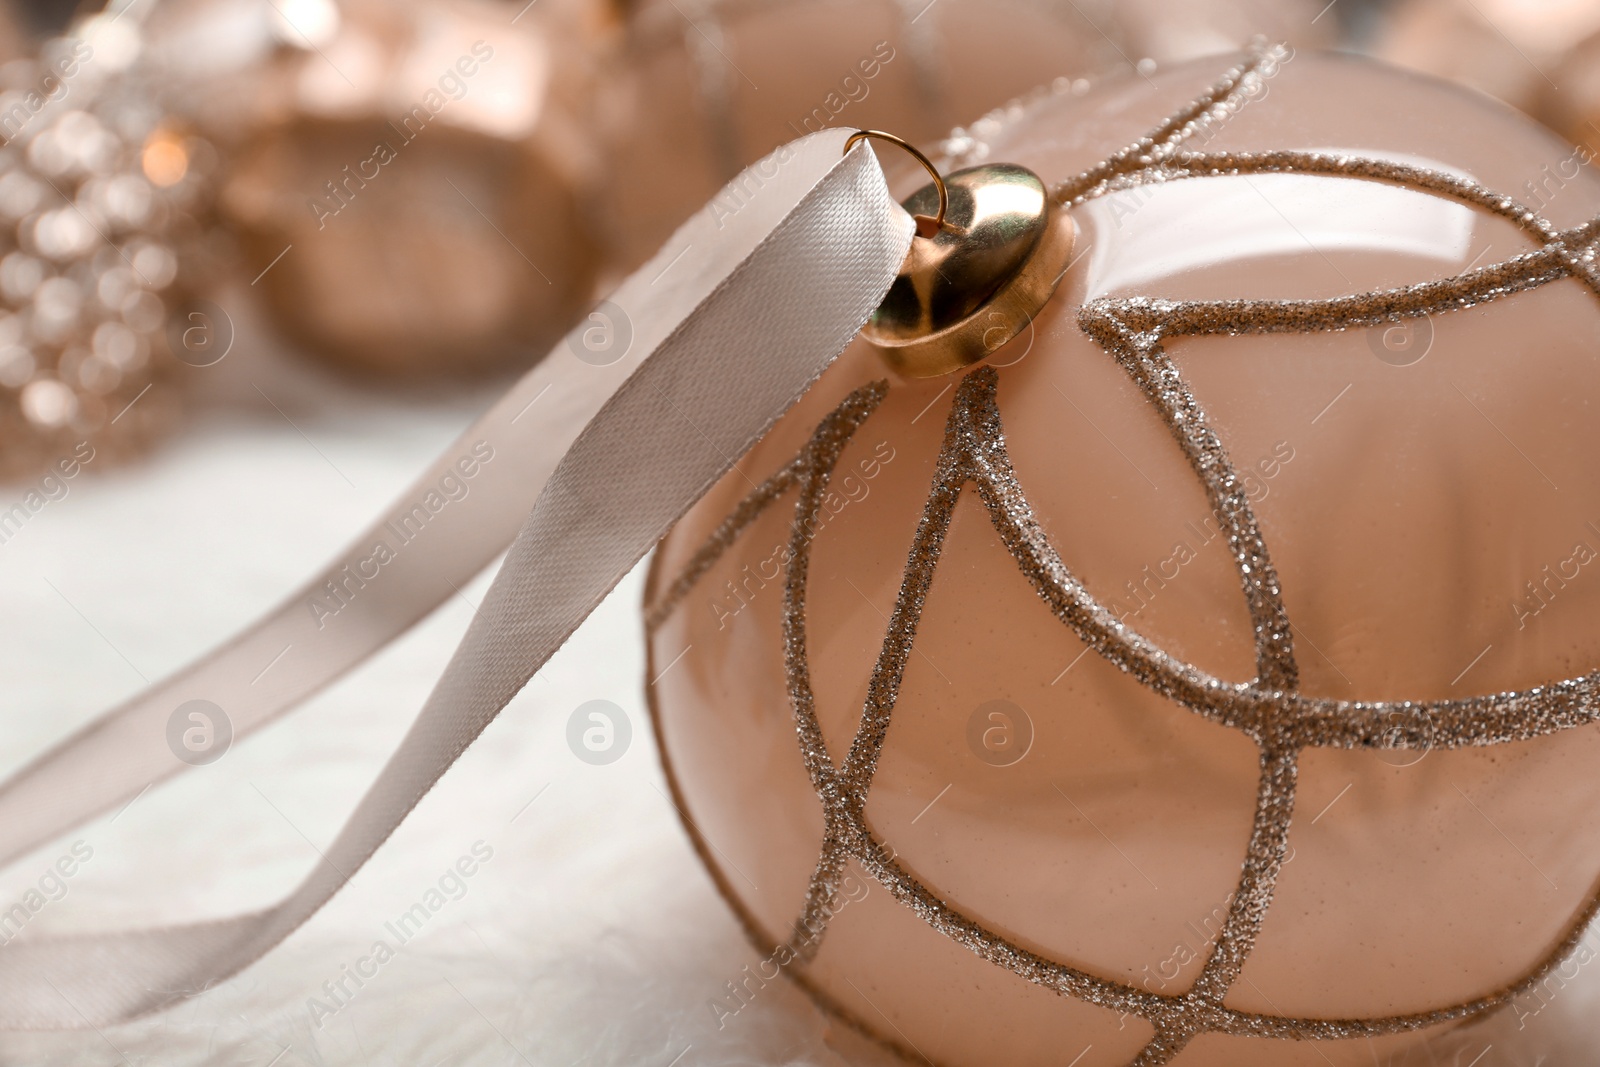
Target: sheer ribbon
{"type": "Point", "coordinates": [609, 440]}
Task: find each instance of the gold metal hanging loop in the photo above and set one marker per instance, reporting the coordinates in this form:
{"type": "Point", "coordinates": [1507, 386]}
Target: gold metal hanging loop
{"type": "Point", "coordinates": [926, 227]}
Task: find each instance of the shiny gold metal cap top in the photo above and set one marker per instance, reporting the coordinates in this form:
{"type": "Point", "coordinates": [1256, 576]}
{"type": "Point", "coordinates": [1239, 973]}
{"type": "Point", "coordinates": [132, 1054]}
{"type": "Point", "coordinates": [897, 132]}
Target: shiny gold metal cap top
{"type": "Point", "coordinates": [980, 278]}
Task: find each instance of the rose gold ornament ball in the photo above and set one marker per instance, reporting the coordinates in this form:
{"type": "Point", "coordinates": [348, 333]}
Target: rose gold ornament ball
{"type": "Point", "coordinates": [409, 200]}
{"type": "Point", "coordinates": [1429, 497]}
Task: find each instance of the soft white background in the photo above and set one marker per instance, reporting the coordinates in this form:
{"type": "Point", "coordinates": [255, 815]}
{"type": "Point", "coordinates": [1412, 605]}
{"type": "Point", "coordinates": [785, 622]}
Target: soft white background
{"type": "Point", "coordinates": [591, 937]}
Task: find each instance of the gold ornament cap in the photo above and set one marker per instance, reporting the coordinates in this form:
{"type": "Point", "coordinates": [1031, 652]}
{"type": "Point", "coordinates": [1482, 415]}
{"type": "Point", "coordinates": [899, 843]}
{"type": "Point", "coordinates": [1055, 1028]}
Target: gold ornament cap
{"type": "Point", "coordinates": [976, 279]}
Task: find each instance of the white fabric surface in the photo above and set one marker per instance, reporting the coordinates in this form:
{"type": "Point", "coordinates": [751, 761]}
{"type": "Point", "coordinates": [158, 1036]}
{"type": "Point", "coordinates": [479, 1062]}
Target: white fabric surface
{"type": "Point", "coordinates": [590, 933]}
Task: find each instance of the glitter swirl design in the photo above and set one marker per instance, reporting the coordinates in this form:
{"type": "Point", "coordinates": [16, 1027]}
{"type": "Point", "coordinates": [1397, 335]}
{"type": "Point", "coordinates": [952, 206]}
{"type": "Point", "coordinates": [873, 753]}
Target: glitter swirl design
{"type": "Point", "coordinates": [1268, 709]}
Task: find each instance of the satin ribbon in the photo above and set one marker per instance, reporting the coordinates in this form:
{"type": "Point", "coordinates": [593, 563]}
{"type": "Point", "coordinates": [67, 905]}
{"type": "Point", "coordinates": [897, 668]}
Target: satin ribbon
{"type": "Point", "coordinates": [609, 439]}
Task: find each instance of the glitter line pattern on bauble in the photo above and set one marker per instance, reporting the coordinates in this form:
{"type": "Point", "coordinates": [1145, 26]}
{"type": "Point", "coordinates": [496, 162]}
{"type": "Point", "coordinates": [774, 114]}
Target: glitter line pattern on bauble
{"type": "Point", "coordinates": [1268, 709]}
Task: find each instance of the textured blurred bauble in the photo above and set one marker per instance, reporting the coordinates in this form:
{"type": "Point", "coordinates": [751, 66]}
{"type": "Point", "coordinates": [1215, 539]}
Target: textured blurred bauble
{"type": "Point", "coordinates": [409, 195]}
{"type": "Point", "coordinates": [1169, 31]}
{"type": "Point", "coordinates": [1167, 689]}
{"type": "Point", "coordinates": [1511, 49]}
{"type": "Point", "coordinates": [1570, 102]}
{"type": "Point", "coordinates": [702, 89]}
{"type": "Point", "coordinates": [99, 193]}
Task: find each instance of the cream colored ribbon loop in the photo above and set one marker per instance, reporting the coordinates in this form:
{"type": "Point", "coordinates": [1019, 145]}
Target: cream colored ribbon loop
{"type": "Point", "coordinates": [611, 439]}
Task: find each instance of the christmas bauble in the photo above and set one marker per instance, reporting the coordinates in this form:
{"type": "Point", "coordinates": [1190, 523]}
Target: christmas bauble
{"type": "Point", "coordinates": [1508, 48]}
{"type": "Point", "coordinates": [450, 254]}
{"type": "Point", "coordinates": [100, 197]}
{"type": "Point", "coordinates": [1570, 102]}
{"type": "Point", "coordinates": [1193, 680]}
{"type": "Point", "coordinates": [408, 199]}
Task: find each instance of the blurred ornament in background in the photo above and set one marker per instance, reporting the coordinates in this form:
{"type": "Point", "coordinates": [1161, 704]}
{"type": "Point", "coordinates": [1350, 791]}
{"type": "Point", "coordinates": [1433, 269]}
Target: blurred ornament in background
{"type": "Point", "coordinates": [700, 90]}
{"type": "Point", "coordinates": [1510, 49]}
{"type": "Point", "coordinates": [1540, 56]}
{"type": "Point", "coordinates": [99, 193]}
{"type": "Point", "coordinates": [1174, 31]}
{"type": "Point", "coordinates": [407, 185]}
{"type": "Point", "coordinates": [14, 42]}
{"type": "Point", "coordinates": [1571, 103]}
